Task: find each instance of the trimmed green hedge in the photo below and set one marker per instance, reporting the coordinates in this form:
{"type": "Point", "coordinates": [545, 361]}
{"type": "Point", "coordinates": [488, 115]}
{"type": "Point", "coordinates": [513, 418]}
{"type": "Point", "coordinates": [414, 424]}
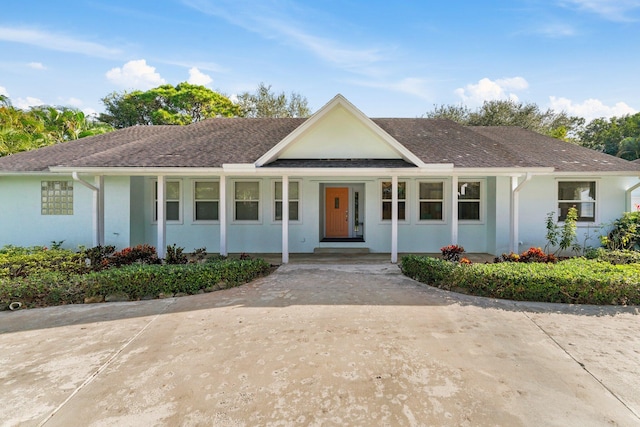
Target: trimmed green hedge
{"type": "Point", "coordinates": [23, 263]}
{"type": "Point", "coordinates": [135, 281]}
{"type": "Point", "coordinates": [575, 281]}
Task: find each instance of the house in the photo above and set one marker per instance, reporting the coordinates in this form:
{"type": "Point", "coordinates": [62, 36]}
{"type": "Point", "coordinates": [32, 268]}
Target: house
{"type": "Point", "coordinates": [338, 179]}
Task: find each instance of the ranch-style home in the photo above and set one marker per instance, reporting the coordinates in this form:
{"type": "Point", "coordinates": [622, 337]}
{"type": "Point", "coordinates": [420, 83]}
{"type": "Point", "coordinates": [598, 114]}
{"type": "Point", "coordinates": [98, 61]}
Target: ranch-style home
{"type": "Point", "coordinates": [338, 179]}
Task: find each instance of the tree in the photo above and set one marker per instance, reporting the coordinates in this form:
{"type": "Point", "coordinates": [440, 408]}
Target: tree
{"type": "Point", "coordinates": [166, 105]}
{"type": "Point", "coordinates": [41, 126]}
{"type": "Point", "coordinates": [512, 113]}
{"type": "Point", "coordinates": [264, 103]}
{"type": "Point", "coordinates": [607, 135]}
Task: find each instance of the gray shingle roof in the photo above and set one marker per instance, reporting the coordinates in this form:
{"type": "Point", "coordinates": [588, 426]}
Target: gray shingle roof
{"type": "Point", "coordinates": [214, 142]}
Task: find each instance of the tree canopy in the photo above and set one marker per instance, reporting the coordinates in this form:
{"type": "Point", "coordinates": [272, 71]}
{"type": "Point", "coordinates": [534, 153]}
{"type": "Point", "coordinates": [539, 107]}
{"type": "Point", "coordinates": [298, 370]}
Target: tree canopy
{"type": "Point", "coordinates": [166, 105]}
{"type": "Point", "coordinates": [40, 126]}
{"type": "Point", "coordinates": [615, 136]}
{"type": "Point", "coordinates": [512, 113]}
{"type": "Point", "coordinates": [264, 103]}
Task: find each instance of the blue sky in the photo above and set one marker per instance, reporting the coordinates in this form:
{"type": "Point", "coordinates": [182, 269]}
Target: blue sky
{"type": "Point", "coordinates": [391, 59]}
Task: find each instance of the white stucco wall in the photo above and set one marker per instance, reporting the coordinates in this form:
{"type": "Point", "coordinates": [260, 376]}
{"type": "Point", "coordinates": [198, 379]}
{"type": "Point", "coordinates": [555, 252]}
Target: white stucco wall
{"type": "Point", "coordinates": [23, 224]}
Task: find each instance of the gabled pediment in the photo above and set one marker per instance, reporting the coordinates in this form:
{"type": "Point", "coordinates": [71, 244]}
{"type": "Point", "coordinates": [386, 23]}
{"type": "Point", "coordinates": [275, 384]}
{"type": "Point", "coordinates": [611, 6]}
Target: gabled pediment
{"type": "Point", "coordinates": [338, 131]}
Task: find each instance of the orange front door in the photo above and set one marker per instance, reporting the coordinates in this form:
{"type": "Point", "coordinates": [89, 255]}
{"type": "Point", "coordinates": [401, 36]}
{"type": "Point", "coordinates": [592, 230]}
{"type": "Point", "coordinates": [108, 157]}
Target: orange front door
{"type": "Point", "coordinates": [337, 212]}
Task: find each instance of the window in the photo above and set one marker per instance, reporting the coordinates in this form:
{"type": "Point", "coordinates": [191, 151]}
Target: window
{"type": "Point", "coordinates": [578, 194]}
{"type": "Point", "coordinates": [247, 201]}
{"type": "Point", "coordinates": [294, 199]}
{"type": "Point", "coordinates": [431, 200]}
{"type": "Point", "coordinates": [172, 201]}
{"type": "Point", "coordinates": [56, 198]}
{"type": "Point", "coordinates": [469, 200]}
{"type": "Point", "coordinates": [386, 200]}
{"type": "Point", "coordinates": [206, 198]}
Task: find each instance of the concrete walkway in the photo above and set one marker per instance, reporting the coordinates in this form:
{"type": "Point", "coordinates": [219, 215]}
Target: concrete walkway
{"type": "Point", "coordinates": [321, 345]}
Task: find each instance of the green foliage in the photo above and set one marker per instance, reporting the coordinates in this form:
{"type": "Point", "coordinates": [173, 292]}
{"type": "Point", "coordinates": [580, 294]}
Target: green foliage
{"type": "Point", "coordinates": [512, 113]}
{"type": "Point", "coordinates": [175, 256]}
{"type": "Point", "coordinates": [42, 126]}
{"type": "Point", "coordinates": [624, 234]}
{"type": "Point", "coordinates": [166, 105]}
{"type": "Point", "coordinates": [574, 281]}
{"type": "Point", "coordinates": [530, 255]}
{"type": "Point", "coordinates": [264, 103]}
{"type": "Point", "coordinates": [614, 256]}
{"type": "Point", "coordinates": [607, 135]}
{"type": "Point", "coordinates": [24, 262]}
{"type": "Point", "coordinates": [563, 236]}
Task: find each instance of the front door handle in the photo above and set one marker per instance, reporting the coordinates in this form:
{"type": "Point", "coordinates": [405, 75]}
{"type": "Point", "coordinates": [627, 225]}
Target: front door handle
{"type": "Point", "coordinates": [346, 216]}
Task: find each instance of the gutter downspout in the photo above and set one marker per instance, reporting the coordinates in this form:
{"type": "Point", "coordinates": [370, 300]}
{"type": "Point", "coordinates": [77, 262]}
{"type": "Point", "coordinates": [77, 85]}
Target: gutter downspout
{"type": "Point", "coordinates": [627, 204]}
{"type": "Point", "coordinates": [515, 207]}
{"type": "Point", "coordinates": [98, 206]}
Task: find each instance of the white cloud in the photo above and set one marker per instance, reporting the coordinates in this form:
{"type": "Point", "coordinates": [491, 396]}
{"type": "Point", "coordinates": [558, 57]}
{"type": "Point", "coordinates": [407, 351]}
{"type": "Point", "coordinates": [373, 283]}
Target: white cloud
{"type": "Point", "coordinates": [614, 10]}
{"type": "Point", "coordinates": [197, 77]}
{"type": "Point", "coordinates": [28, 102]}
{"type": "Point", "coordinates": [136, 75]}
{"type": "Point", "coordinates": [488, 90]}
{"type": "Point", "coordinates": [36, 66]}
{"type": "Point", "coordinates": [411, 85]}
{"type": "Point", "coordinates": [590, 109]}
{"type": "Point", "coordinates": [59, 42]}
{"type": "Point", "coordinates": [3, 91]}
{"type": "Point", "coordinates": [74, 102]}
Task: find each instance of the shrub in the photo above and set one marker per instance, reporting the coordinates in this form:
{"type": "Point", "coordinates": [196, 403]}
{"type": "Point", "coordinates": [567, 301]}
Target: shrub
{"type": "Point", "coordinates": [26, 261]}
{"type": "Point", "coordinates": [624, 234]}
{"type": "Point", "coordinates": [141, 254]}
{"type": "Point", "coordinates": [530, 255]}
{"type": "Point", "coordinates": [41, 289]}
{"type": "Point", "coordinates": [175, 255]}
{"type": "Point", "coordinates": [614, 257]}
{"type": "Point", "coordinates": [575, 281]}
{"type": "Point", "coordinates": [98, 256]}
{"type": "Point", "coordinates": [452, 252]}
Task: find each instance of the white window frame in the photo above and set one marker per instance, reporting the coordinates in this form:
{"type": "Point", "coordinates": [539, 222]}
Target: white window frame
{"type": "Point", "coordinates": [594, 202]}
{"type": "Point", "coordinates": [55, 207]}
{"type": "Point", "coordinates": [259, 200]}
{"type": "Point", "coordinates": [299, 199]}
{"type": "Point", "coordinates": [154, 190]}
{"type": "Point", "coordinates": [480, 201]}
{"type": "Point", "coordinates": [195, 202]}
{"type": "Point", "coordinates": [443, 201]}
{"type": "Point", "coordinates": [382, 201]}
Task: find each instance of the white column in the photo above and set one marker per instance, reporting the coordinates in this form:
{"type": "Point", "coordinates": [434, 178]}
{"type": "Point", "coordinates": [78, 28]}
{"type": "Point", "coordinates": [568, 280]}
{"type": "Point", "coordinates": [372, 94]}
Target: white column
{"type": "Point", "coordinates": [394, 219]}
{"type": "Point", "coordinates": [223, 215]}
{"type": "Point", "coordinates": [162, 217]}
{"type": "Point", "coordinates": [513, 217]}
{"type": "Point", "coordinates": [454, 210]}
{"type": "Point", "coordinates": [285, 219]}
{"type": "Point", "coordinates": [98, 211]}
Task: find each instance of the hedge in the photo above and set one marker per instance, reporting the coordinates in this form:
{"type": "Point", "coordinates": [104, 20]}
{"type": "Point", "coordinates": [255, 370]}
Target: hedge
{"type": "Point", "coordinates": [575, 281]}
{"type": "Point", "coordinates": [134, 281]}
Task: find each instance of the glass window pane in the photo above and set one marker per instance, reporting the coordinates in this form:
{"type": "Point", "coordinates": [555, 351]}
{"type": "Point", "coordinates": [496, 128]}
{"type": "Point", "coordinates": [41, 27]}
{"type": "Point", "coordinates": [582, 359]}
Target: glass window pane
{"type": "Point", "coordinates": [293, 211]}
{"type": "Point", "coordinates": [173, 190]}
{"type": "Point", "coordinates": [278, 191]}
{"type": "Point", "coordinates": [207, 190]}
{"type": "Point", "coordinates": [293, 191]}
{"type": "Point", "coordinates": [577, 191]}
{"type": "Point", "coordinates": [431, 190]}
{"type": "Point", "coordinates": [278, 214]}
{"type": "Point", "coordinates": [247, 190]}
{"type": "Point", "coordinates": [469, 190]}
{"type": "Point", "coordinates": [386, 191]}
{"type": "Point", "coordinates": [173, 211]}
{"type": "Point", "coordinates": [586, 211]}
{"type": "Point", "coordinates": [430, 210]}
{"type": "Point", "coordinates": [386, 210]}
{"type": "Point", "coordinates": [206, 211]}
{"type": "Point", "coordinates": [247, 211]}
{"type": "Point", "coordinates": [469, 210]}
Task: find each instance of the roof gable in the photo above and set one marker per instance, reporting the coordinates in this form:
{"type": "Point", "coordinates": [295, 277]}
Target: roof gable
{"type": "Point", "coordinates": [338, 131]}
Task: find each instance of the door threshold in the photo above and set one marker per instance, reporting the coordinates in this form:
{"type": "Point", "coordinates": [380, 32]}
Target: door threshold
{"type": "Point", "coordinates": [343, 239]}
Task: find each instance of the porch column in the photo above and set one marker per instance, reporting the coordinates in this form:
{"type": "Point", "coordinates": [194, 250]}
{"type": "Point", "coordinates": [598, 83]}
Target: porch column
{"type": "Point", "coordinates": [454, 210]}
{"type": "Point", "coordinates": [162, 217]}
{"type": "Point", "coordinates": [98, 211]}
{"type": "Point", "coordinates": [513, 217]}
{"type": "Point", "coordinates": [222, 215]}
{"type": "Point", "coordinates": [394, 219]}
{"type": "Point", "coordinates": [285, 219]}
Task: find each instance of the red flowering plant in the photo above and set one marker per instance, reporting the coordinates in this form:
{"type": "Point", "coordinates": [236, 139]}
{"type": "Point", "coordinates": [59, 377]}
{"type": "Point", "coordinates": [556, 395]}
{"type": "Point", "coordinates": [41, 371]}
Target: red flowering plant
{"type": "Point", "coordinates": [452, 252]}
{"type": "Point", "coordinates": [530, 255]}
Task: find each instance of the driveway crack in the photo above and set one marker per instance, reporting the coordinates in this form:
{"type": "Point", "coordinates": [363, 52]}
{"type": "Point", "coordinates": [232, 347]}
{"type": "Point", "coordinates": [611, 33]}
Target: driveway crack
{"type": "Point", "coordinates": [582, 365]}
{"type": "Point", "coordinates": [104, 366]}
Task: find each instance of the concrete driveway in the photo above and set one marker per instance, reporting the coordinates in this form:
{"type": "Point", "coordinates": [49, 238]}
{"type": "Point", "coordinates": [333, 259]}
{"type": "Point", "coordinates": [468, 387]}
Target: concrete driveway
{"type": "Point", "coordinates": [321, 345]}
